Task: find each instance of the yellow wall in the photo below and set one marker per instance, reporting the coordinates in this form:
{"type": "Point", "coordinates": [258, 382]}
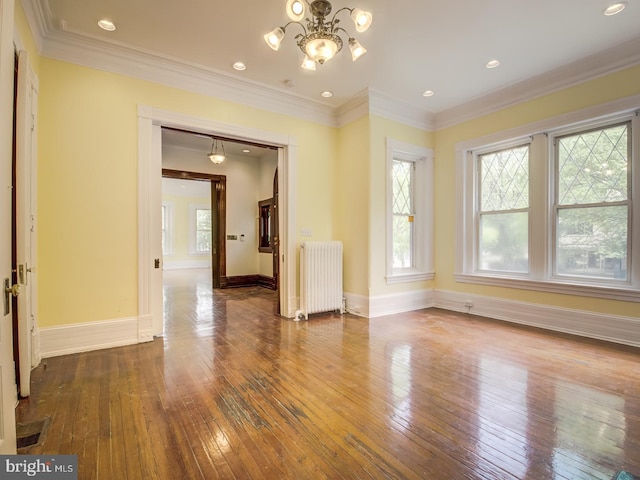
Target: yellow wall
{"type": "Point", "coordinates": [87, 183]}
{"type": "Point", "coordinates": [351, 206]}
{"type": "Point", "coordinates": [614, 86]}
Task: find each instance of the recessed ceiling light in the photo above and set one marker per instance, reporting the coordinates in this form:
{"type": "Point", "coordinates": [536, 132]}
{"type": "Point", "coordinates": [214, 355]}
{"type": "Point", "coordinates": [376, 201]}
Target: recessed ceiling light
{"type": "Point", "coordinates": [428, 93]}
{"type": "Point", "coordinates": [246, 150]}
{"type": "Point", "coordinates": [327, 94]}
{"type": "Point", "coordinates": [239, 66]}
{"type": "Point", "coordinates": [492, 63]}
{"type": "Point", "coordinates": [107, 25]}
{"type": "Point", "coordinates": [615, 8]}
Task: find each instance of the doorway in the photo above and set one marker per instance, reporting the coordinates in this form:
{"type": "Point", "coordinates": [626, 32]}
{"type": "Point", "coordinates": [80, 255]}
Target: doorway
{"type": "Point", "coordinates": [218, 204]}
{"type": "Point", "coordinates": [150, 123]}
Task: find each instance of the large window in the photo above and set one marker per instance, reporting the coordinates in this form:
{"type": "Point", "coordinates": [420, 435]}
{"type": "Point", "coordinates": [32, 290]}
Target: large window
{"type": "Point", "coordinates": [592, 203]}
{"type": "Point", "coordinates": [555, 209]}
{"type": "Point", "coordinates": [409, 212]}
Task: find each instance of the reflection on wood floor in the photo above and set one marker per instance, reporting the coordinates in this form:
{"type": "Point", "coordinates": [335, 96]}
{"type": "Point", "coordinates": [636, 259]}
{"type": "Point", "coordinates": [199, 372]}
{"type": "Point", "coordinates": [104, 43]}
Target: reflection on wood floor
{"type": "Point", "coordinates": [234, 392]}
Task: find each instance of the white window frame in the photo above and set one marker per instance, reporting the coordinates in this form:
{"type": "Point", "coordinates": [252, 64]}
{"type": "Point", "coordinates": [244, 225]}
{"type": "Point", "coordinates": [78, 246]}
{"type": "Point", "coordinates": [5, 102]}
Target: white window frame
{"type": "Point", "coordinates": [192, 227]}
{"type": "Point", "coordinates": [169, 232]}
{"type": "Point", "coordinates": [541, 176]}
{"type": "Point", "coordinates": [422, 158]}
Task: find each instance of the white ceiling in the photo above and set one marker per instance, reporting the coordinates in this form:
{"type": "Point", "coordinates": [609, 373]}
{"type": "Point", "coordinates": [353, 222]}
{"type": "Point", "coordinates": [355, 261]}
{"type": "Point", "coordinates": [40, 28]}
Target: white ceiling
{"type": "Point", "coordinates": [413, 45]}
{"type": "Point", "coordinates": [204, 144]}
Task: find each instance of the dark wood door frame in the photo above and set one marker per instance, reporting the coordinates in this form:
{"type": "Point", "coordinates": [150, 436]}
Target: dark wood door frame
{"type": "Point", "coordinates": [275, 236]}
{"type": "Point", "coordinates": [219, 220]}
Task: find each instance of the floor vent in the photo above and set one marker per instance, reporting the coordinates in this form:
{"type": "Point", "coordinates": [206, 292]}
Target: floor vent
{"type": "Point", "coordinates": [32, 433]}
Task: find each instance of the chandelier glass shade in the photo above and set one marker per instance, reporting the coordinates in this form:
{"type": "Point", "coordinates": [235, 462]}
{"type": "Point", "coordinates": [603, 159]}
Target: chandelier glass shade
{"type": "Point", "coordinates": [215, 156]}
{"type": "Point", "coordinates": [320, 40]}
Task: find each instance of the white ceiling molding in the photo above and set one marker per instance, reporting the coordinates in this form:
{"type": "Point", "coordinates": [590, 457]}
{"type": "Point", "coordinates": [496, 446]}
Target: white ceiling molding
{"type": "Point", "coordinates": [388, 107]}
{"type": "Point", "coordinates": [353, 109]}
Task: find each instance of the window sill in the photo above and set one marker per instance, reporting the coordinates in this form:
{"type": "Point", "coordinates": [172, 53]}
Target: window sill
{"type": "Point", "coordinates": [624, 293]}
{"type": "Point", "coordinates": [409, 277]}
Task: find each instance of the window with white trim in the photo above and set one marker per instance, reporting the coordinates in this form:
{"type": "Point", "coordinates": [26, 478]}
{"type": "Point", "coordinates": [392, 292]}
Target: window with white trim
{"type": "Point", "coordinates": [556, 210]}
{"type": "Point", "coordinates": [199, 229]}
{"type": "Point", "coordinates": [409, 212]}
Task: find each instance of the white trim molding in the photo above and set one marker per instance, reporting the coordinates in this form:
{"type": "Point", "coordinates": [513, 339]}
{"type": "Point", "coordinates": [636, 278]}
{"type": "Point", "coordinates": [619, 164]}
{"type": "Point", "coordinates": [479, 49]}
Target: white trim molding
{"type": "Point", "coordinates": [388, 304]}
{"type": "Point", "coordinates": [85, 337]}
{"type": "Point", "coordinates": [611, 328]}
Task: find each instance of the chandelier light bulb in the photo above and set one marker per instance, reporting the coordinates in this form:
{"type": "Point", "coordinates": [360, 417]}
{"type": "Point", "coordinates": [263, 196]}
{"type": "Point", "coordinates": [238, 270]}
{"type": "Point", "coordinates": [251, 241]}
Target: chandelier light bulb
{"type": "Point", "coordinates": [274, 38]}
{"type": "Point", "coordinates": [308, 63]}
{"type": "Point", "coordinates": [361, 19]}
{"type": "Point", "coordinates": [357, 50]}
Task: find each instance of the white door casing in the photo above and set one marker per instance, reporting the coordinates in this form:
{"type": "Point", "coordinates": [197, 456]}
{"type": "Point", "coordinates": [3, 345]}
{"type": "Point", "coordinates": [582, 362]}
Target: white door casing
{"type": "Point", "coordinates": [8, 394]}
{"type": "Point", "coordinates": [149, 201]}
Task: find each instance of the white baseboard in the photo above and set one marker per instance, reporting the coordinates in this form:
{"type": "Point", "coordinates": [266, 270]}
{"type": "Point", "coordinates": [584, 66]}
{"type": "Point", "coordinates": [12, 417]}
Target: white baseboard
{"type": "Point", "coordinates": [84, 337]}
{"type": "Point", "coordinates": [357, 304]}
{"type": "Point", "coordinates": [381, 305]}
{"type": "Point", "coordinates": [612, 328]}
{"type": "Point", "coordinates": [186, 264]}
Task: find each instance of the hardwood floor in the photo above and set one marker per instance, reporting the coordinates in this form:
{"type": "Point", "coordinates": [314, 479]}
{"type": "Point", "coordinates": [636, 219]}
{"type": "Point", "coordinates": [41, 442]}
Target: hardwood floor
{"type": "Point", "coordinates": [234, 392]}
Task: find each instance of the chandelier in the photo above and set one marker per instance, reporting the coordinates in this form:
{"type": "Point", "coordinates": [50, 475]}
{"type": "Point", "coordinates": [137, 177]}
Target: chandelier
{"type": "Point", "coordinates": [215, 156]}
{"type": "Point", "coordinates": [320, 41]}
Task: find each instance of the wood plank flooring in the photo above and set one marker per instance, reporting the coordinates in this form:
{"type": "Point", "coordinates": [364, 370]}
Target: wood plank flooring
{"type": "Point", "coordinates": [234, 392]}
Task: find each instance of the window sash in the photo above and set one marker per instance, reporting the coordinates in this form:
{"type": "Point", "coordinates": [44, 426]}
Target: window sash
{"type": "Point", "coordinates": [203, 232]}
{"type": "Point", "coordinates": [582, 255]}
{"type": "Point", "coordinates": [403, 231]}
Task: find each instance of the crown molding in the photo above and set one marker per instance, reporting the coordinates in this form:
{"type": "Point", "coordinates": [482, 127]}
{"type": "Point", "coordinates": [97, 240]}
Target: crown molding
{"type": "Point", "coordinates": [393, 109]}
{"type": "Point", "coordinates": [353, 109]}
{"type": "Point", "coordinates": [114, 58]}
{"type": "Point", "coordinates": [39, 20]}
{"type": "Point", "coordinates": [603, 63]}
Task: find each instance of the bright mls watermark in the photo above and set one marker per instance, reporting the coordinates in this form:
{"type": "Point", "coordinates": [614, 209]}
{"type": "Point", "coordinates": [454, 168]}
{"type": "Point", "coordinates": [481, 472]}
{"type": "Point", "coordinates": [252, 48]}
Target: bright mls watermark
{"type": "Point", "coordinates": [50, 467]}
